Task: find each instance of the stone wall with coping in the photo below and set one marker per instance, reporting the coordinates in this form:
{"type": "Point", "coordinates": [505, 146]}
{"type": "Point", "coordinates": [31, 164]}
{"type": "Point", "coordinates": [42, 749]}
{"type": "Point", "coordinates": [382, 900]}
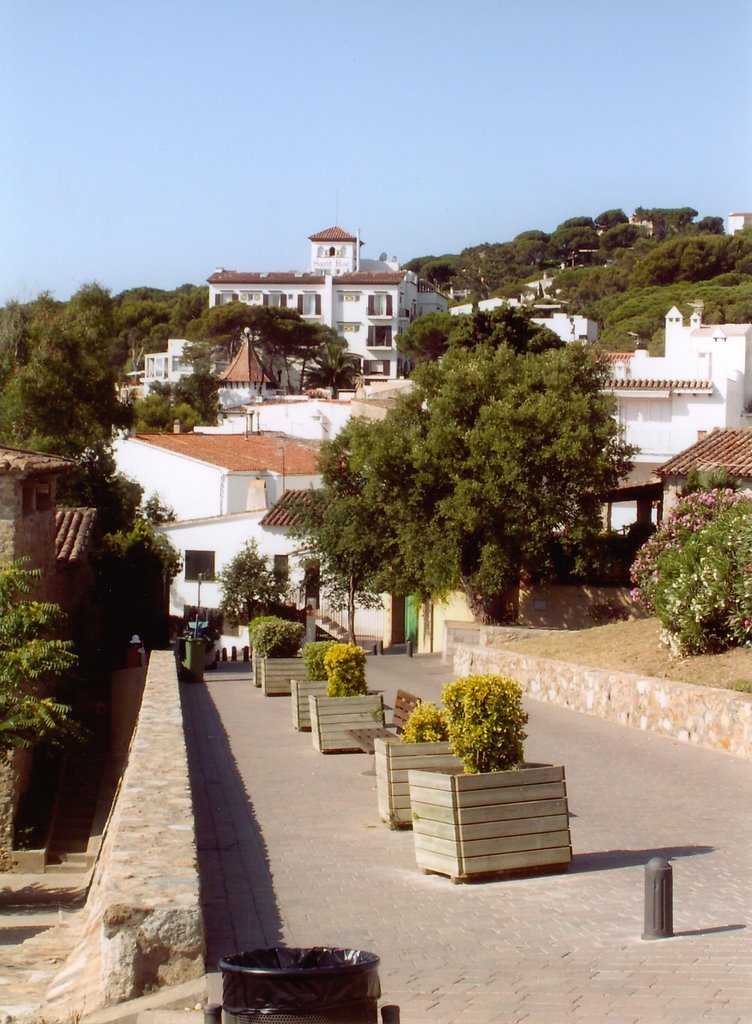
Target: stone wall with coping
{"type": "Point", "coordinates": [700, 715]}
{"type": "Point", "coordinates": [143, 926]}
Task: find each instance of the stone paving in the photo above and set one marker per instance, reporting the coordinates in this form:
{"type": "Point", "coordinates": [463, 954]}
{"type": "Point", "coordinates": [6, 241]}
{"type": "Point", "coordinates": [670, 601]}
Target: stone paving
{"type": "Point", "coordinates": [292, 851]}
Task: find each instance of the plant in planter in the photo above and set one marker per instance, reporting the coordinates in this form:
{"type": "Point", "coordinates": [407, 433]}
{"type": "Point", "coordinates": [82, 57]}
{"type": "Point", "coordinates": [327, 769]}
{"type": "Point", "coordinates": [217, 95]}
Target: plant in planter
{"type": "Point", "coordinates": [499, 815]}
{"type": "Point", "coordinates": [347, 704]}
{"type": "Point", "coordinates": [314, 683]}
{"type": "Point", "coordinates": [277, 643]}
{"type": "Point", "coordinates": [422, 744]}
{"type": "Point", "coordinates": [255, 657]}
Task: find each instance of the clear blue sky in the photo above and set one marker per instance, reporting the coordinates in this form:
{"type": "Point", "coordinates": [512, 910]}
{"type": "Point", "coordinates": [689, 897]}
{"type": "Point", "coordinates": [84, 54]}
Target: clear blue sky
{"type": "Point", "coordinates": [148, 143]}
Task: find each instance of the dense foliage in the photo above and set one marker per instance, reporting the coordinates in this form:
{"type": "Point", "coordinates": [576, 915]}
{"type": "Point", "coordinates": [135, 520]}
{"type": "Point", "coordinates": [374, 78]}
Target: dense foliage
{"type": "Point", "coordinates": [695, 572]}
{"type": "Point", "coordinates": [345, 666]}
{"type": "Point", "coordinates": [277, 638]}
{"type": "Point", "coordinates": [497, 459]}
{"type": "Point", "coordinates": [426, 723]}
{"type": "Point", "coordinates": [314, 653]}
{"type": "Point", "coordinates": [34, 662]}
{"type": "Point", "coordinates": [249, 585]}
{"type": "Point", "coordinates": [486, 722]}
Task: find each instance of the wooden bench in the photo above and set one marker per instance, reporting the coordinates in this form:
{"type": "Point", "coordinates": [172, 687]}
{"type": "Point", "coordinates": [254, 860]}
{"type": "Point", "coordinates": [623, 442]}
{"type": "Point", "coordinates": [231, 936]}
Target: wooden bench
{"type": "Point", "coordinates": [404, 703]}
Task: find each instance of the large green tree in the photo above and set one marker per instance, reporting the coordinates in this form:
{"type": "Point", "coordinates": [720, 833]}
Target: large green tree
{"type": "Point", "coordinates": [499, 456]}
{"type": "Point", "coordinates": [341, 525]}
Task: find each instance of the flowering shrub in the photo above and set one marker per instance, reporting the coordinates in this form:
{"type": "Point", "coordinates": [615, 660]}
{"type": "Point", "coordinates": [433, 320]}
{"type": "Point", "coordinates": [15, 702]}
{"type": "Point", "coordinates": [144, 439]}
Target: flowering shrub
{"type": "Point", "coordinates": [345, 666]}
{"type": "Point", "coordinates": [703, 594]}
{"type": "Point", "coordinates": [689, 516]}
{"type": "Point", "coordinates": [486, 722]}
{"type": "Point", "coordinates": [425, 724]}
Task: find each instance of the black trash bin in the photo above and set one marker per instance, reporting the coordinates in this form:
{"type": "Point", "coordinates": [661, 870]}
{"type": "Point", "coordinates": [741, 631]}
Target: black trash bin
{"type": "Point", "coordinates": [320, 985]}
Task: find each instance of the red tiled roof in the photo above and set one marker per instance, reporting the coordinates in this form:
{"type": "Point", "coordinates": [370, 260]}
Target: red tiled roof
{"type": "Point", "coordinates": [615, 384]}
{"type": "Point", "coordinates": [239, 453]}
{"type": "Point", "coordinates": [333, 234]}
{"type": "Point", "coordinates": [287, 510]}
{"type": "Point", "coordinates": [372, 277]}
{"type": "Point", "coordinates": [615, 357]}
{"type": "Point", "coordinates": [246, 369]}
{"type": "Point", "coordinates": [24, 461]}
{"type": "Point", "coordinates": [729, 448]}
{"type": "Point", "coordinates": [253, 277]}
{"type": "Point", "coordinates": [73, 530]}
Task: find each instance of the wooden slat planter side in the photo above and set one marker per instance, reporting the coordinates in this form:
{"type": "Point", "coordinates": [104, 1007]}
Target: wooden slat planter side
{"type": "Point", "coordinates": [255, 669]}
{"type": "Point", "coordinates": [393, 762]}
{"type": "Point", "coordinates": [277, 673]}
{"type": "Point", "coordinates": [302, 689]}
{"type": "Point", "coordinates": [332, 717]}
{"type": "Point", "coordinates": [493, 823]}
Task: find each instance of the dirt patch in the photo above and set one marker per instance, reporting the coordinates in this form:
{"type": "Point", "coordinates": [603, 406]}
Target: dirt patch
{"type": "Point", "coordinates": [635, 647]}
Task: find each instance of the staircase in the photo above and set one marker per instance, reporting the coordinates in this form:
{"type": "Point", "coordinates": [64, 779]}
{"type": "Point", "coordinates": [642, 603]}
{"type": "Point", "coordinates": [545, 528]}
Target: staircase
{"type": "Point", "coordinates": [75, 810]}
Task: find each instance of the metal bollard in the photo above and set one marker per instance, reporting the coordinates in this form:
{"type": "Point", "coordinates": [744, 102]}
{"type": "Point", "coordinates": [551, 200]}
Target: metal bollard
{"type": "Point", "coordinates": [390, 1014]}
{"type": "Point", "coordinates": [409, 648]}
{"type": "Point", "coordinates": [379, 647]}
{"type": "Point", "coordinates": [659, 900]}
{"type": "Point", "coordinates": [213, 1013]}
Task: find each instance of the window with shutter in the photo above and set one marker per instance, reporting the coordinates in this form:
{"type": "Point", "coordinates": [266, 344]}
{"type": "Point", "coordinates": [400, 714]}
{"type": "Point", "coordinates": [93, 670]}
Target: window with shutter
{"type": "Point", "coordinates": [389, 305]}
{"type": "Point", "coordinates": [371, 305]}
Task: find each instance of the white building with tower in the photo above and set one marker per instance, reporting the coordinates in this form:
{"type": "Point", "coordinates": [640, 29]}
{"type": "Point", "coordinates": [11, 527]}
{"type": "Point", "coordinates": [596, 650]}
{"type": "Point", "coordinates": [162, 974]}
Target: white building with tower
{"type": "Point", "coordinates": [368, 302]}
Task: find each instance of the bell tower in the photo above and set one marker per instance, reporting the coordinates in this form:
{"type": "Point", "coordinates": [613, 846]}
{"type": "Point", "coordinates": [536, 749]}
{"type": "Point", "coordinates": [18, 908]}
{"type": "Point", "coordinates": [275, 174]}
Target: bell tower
{"type": "Point", "coordinates": [334, 251]}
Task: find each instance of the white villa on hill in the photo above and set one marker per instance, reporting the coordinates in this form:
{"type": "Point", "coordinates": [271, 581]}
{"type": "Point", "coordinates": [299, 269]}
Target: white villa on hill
{"type": "Point", "coordinates": [368, 302]}
{"type": "Point", "coordinates": [547, 314]}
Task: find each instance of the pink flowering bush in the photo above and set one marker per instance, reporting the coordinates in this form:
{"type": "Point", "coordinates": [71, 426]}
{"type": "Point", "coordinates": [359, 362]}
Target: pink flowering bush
{"type": "Point", "coordinates": [689, 516]}
{"type": "Point", "coordinates": [695, 573]}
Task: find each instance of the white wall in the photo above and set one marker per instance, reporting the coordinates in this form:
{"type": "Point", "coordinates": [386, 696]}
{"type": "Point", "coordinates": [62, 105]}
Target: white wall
{"type": "Point", "coordinates": [225, 536]}
{"type": "Point", "coordinates": [193, 489]}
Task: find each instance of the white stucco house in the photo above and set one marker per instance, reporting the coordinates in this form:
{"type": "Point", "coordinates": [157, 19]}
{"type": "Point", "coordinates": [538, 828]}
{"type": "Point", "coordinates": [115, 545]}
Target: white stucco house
{"type": "Point", "coordinates": [165, 367]}
{"type": "Point", "coordinates": [368, 302]}
{"type": "Point", "coordinates": [220, 487]}
{"type": "Point", "coordinates": [667, 403]}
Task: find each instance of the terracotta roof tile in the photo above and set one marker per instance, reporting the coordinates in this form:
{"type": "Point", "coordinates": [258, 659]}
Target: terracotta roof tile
{"type": "Point", "coordinates": [729, 448]}
{"type": "Point", "coordinates": [615, 357]}
{"type": "Point", "coordinates": [286, 512]}
{"type": "Point", "coordinates": [646, 384]}
{"type": "Point", "coordinates": [73, 531]}
{"type": "Point", "coordinates": [22, 461]}
{"type": "Point", "coordinates": [258, 278]}
{"type": "Point", "coordinates": [333, 234]}
{"type": "Point", "coordinates": [246, 369]}
{"type": "Point", "coordinates": [372, 277]}
{"type": "Point", "coordinates": [239, 453]}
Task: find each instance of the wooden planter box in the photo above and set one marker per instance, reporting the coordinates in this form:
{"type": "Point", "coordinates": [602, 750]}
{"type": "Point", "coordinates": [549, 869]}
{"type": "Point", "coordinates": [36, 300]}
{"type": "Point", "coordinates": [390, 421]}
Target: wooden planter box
{"type": "Point", "coordinates": [394, 760]}
{"type": "Point", "coordinates": [255, 669]}
{"type": "Point", "coordinates": [302, 689]}
{"type": "Point", "coordinates": [492, 823]}
{"type": "Point", "coordinates": [276, 675]}
{"type": "Point", "coordinates": [332, 717]}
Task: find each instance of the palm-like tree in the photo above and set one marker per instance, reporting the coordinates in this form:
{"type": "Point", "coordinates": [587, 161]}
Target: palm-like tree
{"type": "Point", "coordinates": [333, 367]}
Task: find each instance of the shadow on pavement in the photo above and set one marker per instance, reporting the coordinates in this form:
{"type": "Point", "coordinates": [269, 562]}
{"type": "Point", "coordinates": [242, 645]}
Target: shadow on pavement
{"type": "Point", "coordinates": [237, 895]}
{"type": "Point", "coordinates": [607, 860]}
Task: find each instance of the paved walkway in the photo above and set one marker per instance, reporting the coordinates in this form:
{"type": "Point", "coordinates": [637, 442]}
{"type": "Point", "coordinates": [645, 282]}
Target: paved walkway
{"type": "Point", "coordinates": [292, 851]}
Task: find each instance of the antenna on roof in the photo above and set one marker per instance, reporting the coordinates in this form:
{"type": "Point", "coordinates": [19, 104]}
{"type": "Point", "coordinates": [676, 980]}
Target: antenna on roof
{"type": "Point", "coordinates": [336, 206]}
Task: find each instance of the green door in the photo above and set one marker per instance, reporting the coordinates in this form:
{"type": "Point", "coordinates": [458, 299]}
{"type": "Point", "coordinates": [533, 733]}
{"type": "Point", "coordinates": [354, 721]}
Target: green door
{"type": "Point", "coordinates": [412, 606]}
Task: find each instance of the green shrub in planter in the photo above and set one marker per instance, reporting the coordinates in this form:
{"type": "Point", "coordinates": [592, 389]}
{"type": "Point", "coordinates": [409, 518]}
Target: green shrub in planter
{"type": "Point", "coordinates": [486, 722]}
{"type": "Point", "coordinates": [259, 621]}
{"type": "Point", "coordinates": [345, 666]}
{"type": "Point", "coordinates": [313, 658]}
{"type": "Point", "coordinates": [426, 724]}
{"type": "Point", "coordinates": [278, 639]}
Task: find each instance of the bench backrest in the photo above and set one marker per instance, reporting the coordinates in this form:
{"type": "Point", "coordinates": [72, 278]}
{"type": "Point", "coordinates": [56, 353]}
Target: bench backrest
{"type": "Point", "coordinates": [403, 705]}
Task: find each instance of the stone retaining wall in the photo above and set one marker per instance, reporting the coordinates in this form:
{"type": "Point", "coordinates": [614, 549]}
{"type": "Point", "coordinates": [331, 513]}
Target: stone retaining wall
{"type": "Point", "coordinates": [700, 715]}
{"type": "Point", "coordinates": [143, 926]}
